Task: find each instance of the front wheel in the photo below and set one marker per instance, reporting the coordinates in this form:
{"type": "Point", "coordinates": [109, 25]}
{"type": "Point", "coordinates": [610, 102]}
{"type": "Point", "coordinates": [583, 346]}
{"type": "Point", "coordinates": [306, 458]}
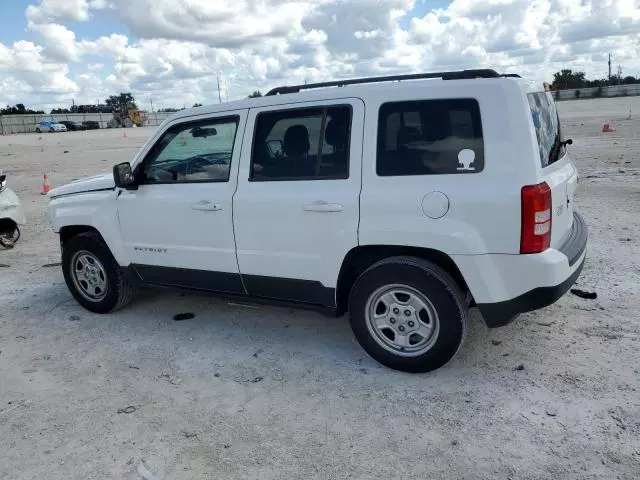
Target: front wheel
{"type": "Point", "coordinates": [93, 276]}
{"type": "Point", "coordinates": [51, 130]}
{"type": "Point", "coordinates": [38, 130]}
{"type": "Point", "coordinates": [408, 314]}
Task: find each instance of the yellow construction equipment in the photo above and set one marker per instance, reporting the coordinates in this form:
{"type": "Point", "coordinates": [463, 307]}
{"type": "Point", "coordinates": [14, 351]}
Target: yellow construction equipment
{"type": "Point", "coordinates": [128, 119]}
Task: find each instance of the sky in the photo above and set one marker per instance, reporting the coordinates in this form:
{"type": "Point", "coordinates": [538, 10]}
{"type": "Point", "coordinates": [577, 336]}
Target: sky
{"type": "Point", "coordinates": [171, 52]}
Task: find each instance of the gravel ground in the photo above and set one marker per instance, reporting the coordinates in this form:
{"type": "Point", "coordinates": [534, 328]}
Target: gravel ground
{"type": "Point", "coordinates": [270, 393]}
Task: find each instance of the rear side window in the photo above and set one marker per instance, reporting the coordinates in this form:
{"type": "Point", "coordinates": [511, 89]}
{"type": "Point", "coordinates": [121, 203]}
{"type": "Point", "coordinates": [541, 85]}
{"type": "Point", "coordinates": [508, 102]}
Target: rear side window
{"type": "Point", "coordinates": [547, 125]}
{"type": "Point", "coordinates": [430, 137]}
{"type": "Point", "coordinates": [302, 144]}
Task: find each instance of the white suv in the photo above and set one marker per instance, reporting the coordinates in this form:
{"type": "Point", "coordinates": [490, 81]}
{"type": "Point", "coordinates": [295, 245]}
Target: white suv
{"type": "Point", "coordinates": [403, 200]}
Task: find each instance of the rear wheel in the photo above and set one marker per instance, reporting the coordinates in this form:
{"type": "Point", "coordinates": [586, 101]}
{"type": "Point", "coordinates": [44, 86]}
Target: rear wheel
{"type": "Point", "coordinates": [408, 314]}
{"type": "Point", "coordinates": [93, 276]}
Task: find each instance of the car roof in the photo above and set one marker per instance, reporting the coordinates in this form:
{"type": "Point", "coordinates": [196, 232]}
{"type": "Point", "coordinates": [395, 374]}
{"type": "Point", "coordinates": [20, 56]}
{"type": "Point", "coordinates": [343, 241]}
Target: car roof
{"type": "Point", "coordinates": [362, 88]}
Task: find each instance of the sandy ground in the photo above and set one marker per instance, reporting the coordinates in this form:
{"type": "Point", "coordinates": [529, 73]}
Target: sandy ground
{"type": "Point", "coordinates": [269, 393]}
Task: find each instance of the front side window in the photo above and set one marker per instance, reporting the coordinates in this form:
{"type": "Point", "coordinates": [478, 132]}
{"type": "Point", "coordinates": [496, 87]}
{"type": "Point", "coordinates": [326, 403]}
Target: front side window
{"type": "Point", "coordinates": [430, 137]}
{"type": "Point", "coordinates": [192, 152]}
{"type": "Point", "coordinates": [303, 144]}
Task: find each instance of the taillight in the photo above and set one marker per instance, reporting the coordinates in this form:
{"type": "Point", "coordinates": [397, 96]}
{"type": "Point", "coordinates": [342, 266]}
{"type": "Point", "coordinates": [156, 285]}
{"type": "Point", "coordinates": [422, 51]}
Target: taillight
{"type": "Point", "coordinates": [535, 235]}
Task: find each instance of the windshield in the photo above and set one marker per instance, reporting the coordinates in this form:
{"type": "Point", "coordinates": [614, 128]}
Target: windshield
{"type": "Point", "coordinates": [547, 125]}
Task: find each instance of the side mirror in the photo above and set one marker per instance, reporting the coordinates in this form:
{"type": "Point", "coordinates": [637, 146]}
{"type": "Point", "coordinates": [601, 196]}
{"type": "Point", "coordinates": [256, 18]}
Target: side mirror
{"type": "Point", "coordinates": [275, 148]}
{"type": "Point", "coordinates": [123, 176]}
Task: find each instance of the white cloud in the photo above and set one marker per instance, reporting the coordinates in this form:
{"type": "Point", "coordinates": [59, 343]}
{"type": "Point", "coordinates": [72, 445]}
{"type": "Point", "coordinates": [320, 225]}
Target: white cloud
{"type": "Point", "coordinates": [222, 24]}
{"type": "Point", "coordinates": [28, 77]}
{"type": "Point", "coordinates": [183, 45]}
{"type": "Point", "coordinates": [62, 10]}
{"type": "Point", "coordinates": [59, 40]}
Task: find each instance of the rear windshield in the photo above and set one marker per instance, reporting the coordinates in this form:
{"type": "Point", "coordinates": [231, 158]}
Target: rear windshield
{"type": "Point", "coordinates": [547, 125]}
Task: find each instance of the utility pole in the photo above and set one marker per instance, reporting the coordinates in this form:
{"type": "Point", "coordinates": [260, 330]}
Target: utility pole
{"type": "Point", "coordinates": [609, 69]}
{"type": "Point", "coordinates": [151, 100]}
{"type": "Point", "coordinates": [219, 94]}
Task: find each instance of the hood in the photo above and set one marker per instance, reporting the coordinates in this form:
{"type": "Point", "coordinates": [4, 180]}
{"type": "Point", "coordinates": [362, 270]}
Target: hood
{"type": "Point", "coordinates": [91, 184]}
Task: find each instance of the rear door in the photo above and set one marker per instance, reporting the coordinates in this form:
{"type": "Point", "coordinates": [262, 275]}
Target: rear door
{"type": "Point", "coordinates": [296, 208]}
{"type": "Point", "coordinates": [558, 170]}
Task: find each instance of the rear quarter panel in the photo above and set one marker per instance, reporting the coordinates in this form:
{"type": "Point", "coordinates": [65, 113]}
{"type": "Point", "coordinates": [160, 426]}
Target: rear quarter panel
{"type": "Point", "coordinates": [484, 208]}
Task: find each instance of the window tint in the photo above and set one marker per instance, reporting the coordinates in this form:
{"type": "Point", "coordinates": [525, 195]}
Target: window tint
{"type": "Point", "coordinates": [193, 152]}
{"type": "Point", "coordinates": [547, 125]}
{"type": "Point", "coordinates": [308, 144]}
{"type": "Point", "coordinates": [430, 137]}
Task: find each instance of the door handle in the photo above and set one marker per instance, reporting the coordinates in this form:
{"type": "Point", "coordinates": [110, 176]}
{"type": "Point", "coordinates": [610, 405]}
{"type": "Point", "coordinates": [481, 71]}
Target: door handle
{"type": "Point", "coordinates": [323, 207]}
{"type": "Point", "coordinates": [206, 206]}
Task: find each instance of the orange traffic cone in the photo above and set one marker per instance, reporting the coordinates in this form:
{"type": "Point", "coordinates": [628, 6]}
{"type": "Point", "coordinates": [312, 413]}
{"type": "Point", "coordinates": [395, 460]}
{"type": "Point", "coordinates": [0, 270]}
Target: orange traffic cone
{"type": "Point", "coordinates": [606, 128]}
{"type": "Point", "coordinates": [46, 186]}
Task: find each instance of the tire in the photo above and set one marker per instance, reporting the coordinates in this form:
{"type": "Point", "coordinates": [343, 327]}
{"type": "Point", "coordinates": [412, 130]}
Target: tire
{"type": "Point", "coordinates": [423, 299]}
{"type": "Point", "coordinates": [51, 130]}
{"type": "Point", "coordinates": [114, 291]}
{"type": "Point", "coordinates": [10, 236]}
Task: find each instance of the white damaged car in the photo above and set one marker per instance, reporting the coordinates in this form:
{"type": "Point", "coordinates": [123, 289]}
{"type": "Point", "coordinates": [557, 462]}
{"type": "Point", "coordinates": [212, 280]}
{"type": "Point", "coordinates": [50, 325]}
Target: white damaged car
{"type": "Point", "coordinates": [11, 215]}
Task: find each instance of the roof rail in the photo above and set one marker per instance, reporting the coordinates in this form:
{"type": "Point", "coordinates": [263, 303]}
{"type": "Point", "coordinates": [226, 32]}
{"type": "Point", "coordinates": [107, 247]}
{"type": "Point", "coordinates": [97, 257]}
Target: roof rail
{"type": "Point", "coordinates": [456, 75]}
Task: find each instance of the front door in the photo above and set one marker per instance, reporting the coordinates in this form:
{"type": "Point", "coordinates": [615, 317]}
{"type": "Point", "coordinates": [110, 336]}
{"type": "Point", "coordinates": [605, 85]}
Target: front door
{"type": "Point", "coordinates": [296, 209]}
{"type": "Point", "coordinates": [177, 226]}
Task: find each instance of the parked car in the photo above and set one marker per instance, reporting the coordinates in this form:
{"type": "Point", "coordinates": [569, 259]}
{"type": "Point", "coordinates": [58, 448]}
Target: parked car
{"type": "Point", "coordinates": [50, 126]}
{"type": "Point", "coordinates": [11, 215]}
{"type": "Point", "coordinates": [404, 201]}
{"type": "Point", "coordinates": [91, 125]}
{"type": "Point", "coordinates": [73, 125]}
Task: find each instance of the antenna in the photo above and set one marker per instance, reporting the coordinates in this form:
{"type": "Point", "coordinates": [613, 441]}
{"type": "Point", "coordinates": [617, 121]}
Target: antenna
{"type": "Point", "coordinates": [620, 74]}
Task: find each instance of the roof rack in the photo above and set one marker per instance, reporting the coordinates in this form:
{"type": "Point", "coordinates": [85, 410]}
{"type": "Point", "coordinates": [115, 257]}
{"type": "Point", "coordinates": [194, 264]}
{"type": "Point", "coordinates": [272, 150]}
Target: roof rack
{"type": "Point", "coordinates": [456, 75]}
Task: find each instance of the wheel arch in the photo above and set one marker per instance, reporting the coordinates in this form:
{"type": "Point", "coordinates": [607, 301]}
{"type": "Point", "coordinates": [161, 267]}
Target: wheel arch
{"type": "Point", "coordinates": [362, 257]}
{"type": "Point", "coordinates": [69, 231]}
{"type": "Point", "coordinates": [7, 223]}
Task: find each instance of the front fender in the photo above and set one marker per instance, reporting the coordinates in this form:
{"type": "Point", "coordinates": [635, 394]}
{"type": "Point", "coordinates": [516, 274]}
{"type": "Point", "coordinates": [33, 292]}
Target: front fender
{"type": "Point", "coordinates": [93, 209]}
{"type": "Point", "coordinates": [10, 207]}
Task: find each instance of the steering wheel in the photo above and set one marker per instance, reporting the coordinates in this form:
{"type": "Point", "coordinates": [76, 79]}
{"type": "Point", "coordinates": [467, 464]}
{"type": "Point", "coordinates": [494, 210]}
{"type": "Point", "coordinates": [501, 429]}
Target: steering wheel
{"type": "Point", "coordinates": [194, 162]}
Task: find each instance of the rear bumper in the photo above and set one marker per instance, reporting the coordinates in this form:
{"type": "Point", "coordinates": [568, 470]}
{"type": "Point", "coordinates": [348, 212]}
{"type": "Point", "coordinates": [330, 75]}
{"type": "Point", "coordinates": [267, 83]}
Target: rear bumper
{"type": "Point", "coordinates": [504, 286]}
{"type": "Point", "coordinates": [502, 313]}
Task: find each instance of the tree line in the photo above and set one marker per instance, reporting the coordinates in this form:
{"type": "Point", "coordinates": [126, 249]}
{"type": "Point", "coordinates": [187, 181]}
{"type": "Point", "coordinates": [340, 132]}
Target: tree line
{"type": "Point", "coordinates": [567, 79]}
{"type": "Point", "coordinates": [18, 109]}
